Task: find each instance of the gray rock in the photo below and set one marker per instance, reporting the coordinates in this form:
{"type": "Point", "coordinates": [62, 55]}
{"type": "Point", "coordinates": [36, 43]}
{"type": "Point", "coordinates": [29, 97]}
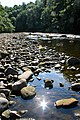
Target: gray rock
{"type": "Point", "coordinates": [61, 84]}
{"type": "Point", "coordinates": [28, 92]}
{"type": "Point", "coordinates": [14, 114]}
{"type": "Point", "coordinates": [73, 61]}
{"type": "Point", "coordinates": [3, 54]}
{"type": "Point", "coordinates": [11, 71]}
{"type": "Point", "coordinates": [7, 92]}
{"type": "Point", "coordinates": [3, 104]}
{"type": "Point", "coordinates": [12, 103]}
{"type": "Point", "coordinates": [75, 86]}
{"type": "Point", "coordinates": [17, 86]}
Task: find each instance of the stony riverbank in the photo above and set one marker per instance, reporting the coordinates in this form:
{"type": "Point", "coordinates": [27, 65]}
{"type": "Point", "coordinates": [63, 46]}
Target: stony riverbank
{"type": "Point", "coordinates": [22, 56]}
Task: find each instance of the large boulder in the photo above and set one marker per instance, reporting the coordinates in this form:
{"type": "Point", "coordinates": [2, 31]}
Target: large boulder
{"type": "Point", "coordinates": [26, 75]}
{"type": "Point", "coordinates": [28, 92]}
{"type": "Point", "coordinates": [75, 86]}
{"type": "Point", "coordinates": [17, 86]}
{"type": "Point", "coordinates": [69, 102]}
{"type": "Point", "coordinates": [3, 104]}
{"type": "Point", "coordinates": [73, 61]}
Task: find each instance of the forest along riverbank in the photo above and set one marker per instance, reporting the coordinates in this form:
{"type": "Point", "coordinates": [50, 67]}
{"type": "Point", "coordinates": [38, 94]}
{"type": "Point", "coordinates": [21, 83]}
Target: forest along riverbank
{"type": "Point", "coordinates": [38, 76]}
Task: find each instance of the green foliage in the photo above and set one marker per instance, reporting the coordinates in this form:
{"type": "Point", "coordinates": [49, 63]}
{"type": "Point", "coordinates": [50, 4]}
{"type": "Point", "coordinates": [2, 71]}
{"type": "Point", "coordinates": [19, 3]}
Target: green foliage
{"type": "Point", "coordinates": [61, 16]}
{"type": "Point", "coordinates": [5, 22]}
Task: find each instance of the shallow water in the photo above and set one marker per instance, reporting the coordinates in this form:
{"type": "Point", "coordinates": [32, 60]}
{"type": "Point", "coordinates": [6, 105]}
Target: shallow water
{"type": "Point", "coordinates": [41, 107]}
{"type": "Point", "coordinates": [69, 47]}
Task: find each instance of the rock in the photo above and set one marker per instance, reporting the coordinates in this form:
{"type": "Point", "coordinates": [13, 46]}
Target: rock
{"type": "Point", "coordinates": [38, 78]}
{"type": "Point", "coordinates": [57, 66]}
{"type": "Point", "coordinates": [75, 86]}
{"type": "Point", "coordinates": [63, 35]}
{"type": "Point", "coordinates": [2, 85]}
{"type": "Point", "coordinates": [73, 61]}
{"type": "Point", "coordinates": [7, 92]}
{"type": "Point", "coordinates": [12, 103]}
{"type": "Point", "coordinates": [69, 102]}
{"type": "Point", "coordinates": [11, 71]}
{"type": "Point", "coordinates": [28, 92]}
{"type": "Point", "coordinates": [1, 74]}
{"type": "Point", "coordinates": [3, 54]}
{"type": "Point", "coordinates": [61, 84]}
{"type": "Point", "coordinates": [17, 86]}
{"type": "Point", "coordinates": [2, 95]}
{"type": "Point", "coordinates": [48, 83]}
{"type": "Point", "coordinates": [26, 75]}
{"type": "Point", "coordinates": [3, 104]}
{"type": "Point", "coordinates": [6, 114]}
{"type": "Point", "coordinates": [2, 68]}
{"type": "Point", "coordinates": [14, 114]}
{"type": "Point", "coordinates": [21, 112]}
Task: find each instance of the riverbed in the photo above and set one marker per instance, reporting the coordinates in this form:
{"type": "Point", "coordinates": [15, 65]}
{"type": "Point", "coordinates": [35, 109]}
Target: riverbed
{"type": "Point", "coordinates": [46, 56]}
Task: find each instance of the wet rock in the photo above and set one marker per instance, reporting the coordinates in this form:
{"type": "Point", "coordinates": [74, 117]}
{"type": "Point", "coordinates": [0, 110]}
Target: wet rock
{"type": "Point", "coordinates": [12, 103]}
{"type": "Point", "coordinates": [69, 102]}
{"type": "Point", "coordinates": [6, 114]}
{"type": "Point", "coordinates": [61, 84]}
{"type": "Point", "coordinates": [3, 54]}
{"type": "Point", "coordinates": [57, 66]}
{"type": "Point", "coordinates": [21, 112]}
{"type": "Point", "coordinates": [37, 71]}
{"type": "Point", "coordinates": [48, 83]}
{"type": "Point", "coordinates": [75, 86]}
{"type": "Point", "coordinates": [26, 75]}
{"type": "Point", "coordinates": [35, 63]}
{"type": "Point", "coordinates": [2, 95]}
{"type": "Point", "coordinates": [62, 61]}
{"type": "Point", "coordinates": [3, 104]}
{"type": "Point", "coordinates": [77, 75]}
{"type": "Point", "coordinates": [38, 78]}
{"type": "Point", "coordinates": [2, 69]}
{"type": "Point", "coordinates": [73, 61]}
{"type": "Point", "coordinates": [1, 74]}
{"type": "Point", "coordinates": [17, 86]}
{"type": "Point", "coordinates": [11, 71]}
{"type": "Point", "coordinates": [7, 92]}
{"type": "Point", "coordinates": [2, 85]}
{"type": "Point", "coordinates": [28, 92]}
{"type": "Point", "coordinates": [14, 114]}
